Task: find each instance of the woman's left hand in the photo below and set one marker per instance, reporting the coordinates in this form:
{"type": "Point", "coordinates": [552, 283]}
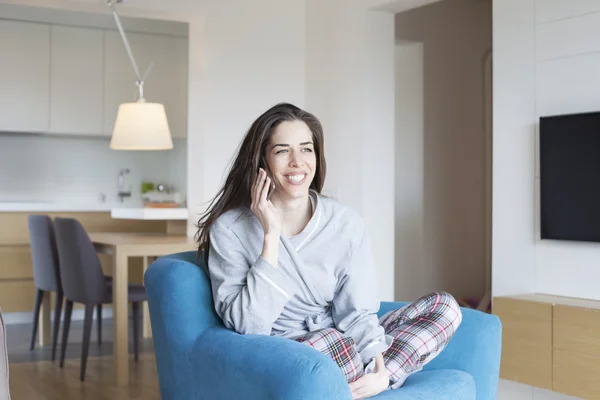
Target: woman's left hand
{"type": "Point", "coordinates": [371, 384]}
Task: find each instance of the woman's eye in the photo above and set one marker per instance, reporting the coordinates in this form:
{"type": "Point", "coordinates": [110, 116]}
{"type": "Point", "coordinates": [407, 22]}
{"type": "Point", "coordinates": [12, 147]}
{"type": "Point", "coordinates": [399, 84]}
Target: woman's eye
{"type": "Point", "coordinates": [306, 150]}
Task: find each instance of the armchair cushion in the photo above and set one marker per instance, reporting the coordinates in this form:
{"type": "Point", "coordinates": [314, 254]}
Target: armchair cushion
{"type": "Point", "coordinates": [475, 349]}
{"type": "Point", "coordinates": [443, 384]}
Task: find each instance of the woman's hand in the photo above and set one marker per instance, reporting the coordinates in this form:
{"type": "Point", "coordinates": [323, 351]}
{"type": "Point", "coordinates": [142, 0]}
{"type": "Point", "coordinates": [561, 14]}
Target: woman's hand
{"type": "Point", "coordinates": [265, 211]}
{"type": "Point", "coordinates": [371, 384]}
{"type": "Point", "coordinates": [269, 218]}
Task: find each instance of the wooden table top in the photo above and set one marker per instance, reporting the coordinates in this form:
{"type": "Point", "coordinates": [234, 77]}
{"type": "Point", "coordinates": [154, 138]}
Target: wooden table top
{"type": "Point", "coordinates": [141, 238]}
{"type": "Point", "coordinates": [142, 244]}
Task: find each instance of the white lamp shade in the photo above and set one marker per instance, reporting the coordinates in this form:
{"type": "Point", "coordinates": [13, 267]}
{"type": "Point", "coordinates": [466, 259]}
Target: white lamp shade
{"type": "Point", "coordinates": [141, 126]}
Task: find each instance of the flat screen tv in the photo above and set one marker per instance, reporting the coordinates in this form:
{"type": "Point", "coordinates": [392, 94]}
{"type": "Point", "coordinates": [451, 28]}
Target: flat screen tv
{"type": "Point", "coordinates": [570, 177]}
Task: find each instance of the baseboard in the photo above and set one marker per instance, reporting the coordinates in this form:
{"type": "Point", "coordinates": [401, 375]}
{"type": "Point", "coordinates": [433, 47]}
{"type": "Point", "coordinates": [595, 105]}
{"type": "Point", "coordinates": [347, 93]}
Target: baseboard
{"type": "Point", "coordinates": [26, 317]}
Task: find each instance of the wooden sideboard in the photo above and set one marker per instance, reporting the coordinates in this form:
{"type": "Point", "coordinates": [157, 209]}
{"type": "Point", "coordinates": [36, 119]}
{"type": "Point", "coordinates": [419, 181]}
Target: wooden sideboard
{"type": "Point", "coordinates": [551, 342]}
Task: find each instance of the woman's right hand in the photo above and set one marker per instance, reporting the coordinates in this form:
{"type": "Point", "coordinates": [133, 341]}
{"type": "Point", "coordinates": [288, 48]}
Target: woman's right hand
{"type": "Point", "coordinates": [265, 211]}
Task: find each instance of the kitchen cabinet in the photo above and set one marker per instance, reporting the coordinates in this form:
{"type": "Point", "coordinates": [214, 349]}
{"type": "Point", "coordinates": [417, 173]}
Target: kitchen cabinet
{"type": "Point", "coordinates": [167, 82]}
{"type": "Point", "coordinates": [178, 99]}
{"type": "Point", "coordinates": [59, 79]}
{"type": "Point", "coordinates": [76, 73]}
{"type": "Point", "coordinates": [24, 76]}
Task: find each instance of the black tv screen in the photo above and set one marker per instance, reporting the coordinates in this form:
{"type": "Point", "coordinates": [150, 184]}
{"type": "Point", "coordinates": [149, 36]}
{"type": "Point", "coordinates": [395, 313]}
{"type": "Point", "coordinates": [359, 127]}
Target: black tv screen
{"type": "Point", "coordinates": [570, 177]}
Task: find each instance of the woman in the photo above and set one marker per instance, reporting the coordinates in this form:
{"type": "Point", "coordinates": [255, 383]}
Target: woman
{"type": "Point", "coordinates": [286, 261]}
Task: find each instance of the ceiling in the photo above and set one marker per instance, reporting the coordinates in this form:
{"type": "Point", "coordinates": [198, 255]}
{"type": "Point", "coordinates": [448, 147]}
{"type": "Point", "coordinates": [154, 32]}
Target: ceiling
{"type": "Point", "coordinates": [183, 10]}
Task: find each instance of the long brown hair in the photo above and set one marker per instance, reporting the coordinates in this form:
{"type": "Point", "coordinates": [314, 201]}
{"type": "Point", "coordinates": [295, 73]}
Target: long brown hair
{"type": "Point", "coordinates": [236, 190]}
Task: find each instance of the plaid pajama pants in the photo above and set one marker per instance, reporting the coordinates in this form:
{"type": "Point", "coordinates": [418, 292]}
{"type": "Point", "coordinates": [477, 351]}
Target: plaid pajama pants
{"type": "Point", "coordinates": [421, 330]}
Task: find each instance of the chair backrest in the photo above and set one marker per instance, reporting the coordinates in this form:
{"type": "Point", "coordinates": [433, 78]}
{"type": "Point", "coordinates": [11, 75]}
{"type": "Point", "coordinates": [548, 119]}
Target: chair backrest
{"type": "Point", "coordinates": [4, 390]}
{"type": "Point", "coordinates": [80, 269]}
{"type": "Point", "coordinates": [44, 254]}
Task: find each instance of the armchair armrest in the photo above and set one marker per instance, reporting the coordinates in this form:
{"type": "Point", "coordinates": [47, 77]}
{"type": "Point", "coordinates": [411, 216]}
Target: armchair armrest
{"type": "Point", "coordinates": [475, 348]}
{"type": "Point", "coordinates": [230, 365]}
{"type": "Point", "coordinates": [177, 292]}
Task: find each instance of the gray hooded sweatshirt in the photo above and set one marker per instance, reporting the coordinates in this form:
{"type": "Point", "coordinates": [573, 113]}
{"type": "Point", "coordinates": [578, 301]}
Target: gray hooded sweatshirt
{"type": "Point", "coordinates": [325, 277]}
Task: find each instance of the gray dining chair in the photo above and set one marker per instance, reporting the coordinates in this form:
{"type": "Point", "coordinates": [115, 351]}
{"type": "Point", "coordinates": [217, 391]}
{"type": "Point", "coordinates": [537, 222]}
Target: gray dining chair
{"type": "Point", "coordinates": [46, 274]}
{"type": "Point", "coordinates": [84, 282]}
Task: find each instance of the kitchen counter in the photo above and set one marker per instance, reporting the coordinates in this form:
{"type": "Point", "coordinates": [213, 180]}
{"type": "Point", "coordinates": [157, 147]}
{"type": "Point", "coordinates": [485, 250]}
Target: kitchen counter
{"type": "Point", "coordinates": [118, 211]}
{"type": "Point", "coordinates": [42, 206]}
{"type": "Point", "coordinates": [150, 213]}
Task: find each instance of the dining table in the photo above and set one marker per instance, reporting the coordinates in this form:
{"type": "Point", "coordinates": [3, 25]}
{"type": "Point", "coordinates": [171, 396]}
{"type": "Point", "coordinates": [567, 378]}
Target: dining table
{"type": "Point", "coordinates": [120, 246]}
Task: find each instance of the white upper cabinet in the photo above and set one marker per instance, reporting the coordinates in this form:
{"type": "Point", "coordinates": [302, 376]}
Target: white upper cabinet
{"type": "Point", "coordinates": [63, 79]}
{"type": "Point", "coordinates": [177, 108]}
{"type": "Point", "coordinates": [76, 73]}
{"type": "Point", "coordinates": [166, 84]}
{"type": "Point", "coordinates": [24, 76]}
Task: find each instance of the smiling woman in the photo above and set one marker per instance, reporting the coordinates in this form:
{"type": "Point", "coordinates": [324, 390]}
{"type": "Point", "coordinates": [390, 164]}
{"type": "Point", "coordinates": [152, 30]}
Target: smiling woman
{"type": "Point", "coordinates": [285, 144]}
{"type": "Point", "coordinates": [286, 261]}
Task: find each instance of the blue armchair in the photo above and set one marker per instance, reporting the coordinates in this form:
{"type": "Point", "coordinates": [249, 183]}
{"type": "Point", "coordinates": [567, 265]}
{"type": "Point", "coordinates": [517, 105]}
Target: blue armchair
{"type": "Point", "coordinates": [198, 358]}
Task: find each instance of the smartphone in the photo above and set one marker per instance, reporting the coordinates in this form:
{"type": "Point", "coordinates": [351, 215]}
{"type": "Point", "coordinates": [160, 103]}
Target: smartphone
{"type": "Point", "coordinates": [263, 165]}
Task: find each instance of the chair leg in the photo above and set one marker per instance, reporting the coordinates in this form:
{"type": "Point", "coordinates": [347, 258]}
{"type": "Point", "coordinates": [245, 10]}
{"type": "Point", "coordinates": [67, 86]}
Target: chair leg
{"type": "Point", "coordinates": [65, 333]}
{"type": "Point", "coordinates": [87, 331]}
{"type": "Point", "coordinates": [136, 328]}
{"type": "Point", "coordinates": [99, 324]}
{"type": "Point", "coordinates": [57, 312]}
{"type": "Point", "coordinates": [39, 297]}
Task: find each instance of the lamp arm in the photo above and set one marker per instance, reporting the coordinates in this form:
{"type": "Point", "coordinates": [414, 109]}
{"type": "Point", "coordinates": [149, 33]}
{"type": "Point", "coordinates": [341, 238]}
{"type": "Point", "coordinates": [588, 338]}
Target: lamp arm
{"type": "Point", "coordinates": [136, 70]}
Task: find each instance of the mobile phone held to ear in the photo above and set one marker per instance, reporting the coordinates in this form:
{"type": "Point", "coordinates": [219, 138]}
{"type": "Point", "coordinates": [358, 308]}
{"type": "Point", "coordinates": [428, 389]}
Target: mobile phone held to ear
{"type": "Point", "coordinates": [263, 165]}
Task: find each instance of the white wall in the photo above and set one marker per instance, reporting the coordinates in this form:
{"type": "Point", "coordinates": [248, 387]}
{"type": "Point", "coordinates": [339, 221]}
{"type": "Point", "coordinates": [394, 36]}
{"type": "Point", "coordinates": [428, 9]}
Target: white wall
{"type": "Point", "coordinates": [239, 67]}
{"type": "Point", "coordinates": [546, 61]}
{"type": "Point", "coordinates": [441, 228]}
{"type": "Point", "coordinates": [349, 86]}
{"type": "Point", "coordinates": [76, 170]}
{"type": "Point", "coordinates": [412, 279]}
{"type": "Point", "coordinates": [567, 81]}
{"type": "Point", "coordinates": [513, 231]}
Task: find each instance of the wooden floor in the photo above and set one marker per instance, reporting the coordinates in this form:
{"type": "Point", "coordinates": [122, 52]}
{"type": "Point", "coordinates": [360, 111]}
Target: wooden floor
{"type": "Point", "coordinates": [44, 380]}
{"type": "Point", "coordinates": [18, 336]}
{"type": "Point", "coordinates": [34, 377]}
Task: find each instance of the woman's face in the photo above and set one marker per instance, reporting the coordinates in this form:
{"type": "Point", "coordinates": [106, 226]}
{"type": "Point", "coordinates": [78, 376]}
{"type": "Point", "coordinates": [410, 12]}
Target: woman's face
{"type": "Point", "coordinates": [291, 157]}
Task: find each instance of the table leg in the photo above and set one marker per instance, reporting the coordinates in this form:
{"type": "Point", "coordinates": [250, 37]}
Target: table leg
{"type": "Point", "coordinates": [44, 321]}
{"type": "Point", "coordinates": [120, 316]}
{"type": "Point", "coordinates": [147, 328]}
